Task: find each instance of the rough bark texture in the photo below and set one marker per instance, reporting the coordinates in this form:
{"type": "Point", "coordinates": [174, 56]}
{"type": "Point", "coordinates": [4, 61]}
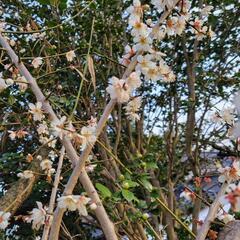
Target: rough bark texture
{"type": "Point", "coordinates": [21, 189]}
{"type": "Point", "coordinates": [231, 231]}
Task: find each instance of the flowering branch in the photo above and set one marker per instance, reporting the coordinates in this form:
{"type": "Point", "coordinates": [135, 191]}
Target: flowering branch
{"type": "Point", "coordinates": [72, 154]}
{"type": "Point", "coordinates": [53, 196]}
{"type": "Point", "coordinates": [202, 233]}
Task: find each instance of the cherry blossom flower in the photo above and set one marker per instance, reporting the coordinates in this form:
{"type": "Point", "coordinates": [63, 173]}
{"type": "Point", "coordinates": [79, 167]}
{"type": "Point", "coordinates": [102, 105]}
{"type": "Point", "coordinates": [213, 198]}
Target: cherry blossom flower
{"type": "Point", "coordinates": [26, 174]}
{"type": "Point", "coordinates": [17, 134]}
{"type": "Point", "coordinates": [42, 128]}
{"type": "Point", "coordinates": [151, 73]}
{"type": "Point", "coordinates": [90, 168]}
{"type": "Point", "coordinates": [206, 10]}
{"type": "Point", "coordinates": [118, 89]}
{"type": "Point", "coordinates": [142, 43]}
{"type": "Point", "coordinates": [139, 29]}
{"type": "Point", "coordinates": [68, 202]}
{"type": "Point", "coordinates": [161, 4]}
{"type": "Point", "coordinates": [12, 43]}
{"type": "Point", "coordinates": [36, 110]}
{"type": "Point", "coordinates": [135, 12]}
{"type": "Point", "coordinates": [22, 83]}
{"type": "Point", "coordinates": [29, 158]}
{"type": "Point", "coordinates": [144, 62]}
{"type": "Point", "coordinates": [229, 173]}
{"type": "Point", "coordinates": [171, 26]}
{"type": "Point", "coordinates": [37, 216]}
{"type": "Point", "coordinates": [9, 81]}
{"type": "Point", "coordinates": [211, 33]}
{"type": "Point", "coordinates": [188, 195]}
{"type": "Point", "coordinates": [132, 108]}
{"type": "Point", "coordinates": [133, 81]}
{"type": "Point", "coordinates": [70, 55]}
{"type": "Point", "coordinates": [37, 62]}
{"type": "Point", "coordinates": [180, 25]}
{"type": "Point", "coordinates": [50, 141]}
{"type": "Point", "coordinates": [12, 135]}
{"type": "Point", "coordinates": [46, 164]}
{"type": "Point", "coordinates": [128, 53]}
{"type": "Point", "coordinates": [159, 33]}
{"type": "Point", "coordinates": [4, 218]}
{"type": "Point", "coordinates": [88, 136]}
{"type": "Point", "coordinates": [73, 203]}
{"type": "Point", "coordinates": [81, 205]}
{"type": "Point", "coordinates": [58, 127]}
{"type": "Point", "coordinates": [21, 133]}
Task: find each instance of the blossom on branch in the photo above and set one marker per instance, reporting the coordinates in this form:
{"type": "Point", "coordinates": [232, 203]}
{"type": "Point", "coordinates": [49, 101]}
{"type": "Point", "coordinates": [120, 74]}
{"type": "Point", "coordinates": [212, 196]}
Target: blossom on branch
{"type": "Point", "coordinates": [37, 62]}
{"type": "Point", "coordinates": [70, 55]}
{"type": "Point", "coordinates": [4, 218]}
{"type": "Point", "coordinates": [36, 110]}
{"type": "Point", "coordinates": [37, 216]}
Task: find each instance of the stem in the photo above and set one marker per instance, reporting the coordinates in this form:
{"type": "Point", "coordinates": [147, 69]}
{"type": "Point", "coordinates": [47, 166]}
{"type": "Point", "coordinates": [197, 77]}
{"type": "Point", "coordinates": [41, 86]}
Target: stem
{"type": "Point", "coordinates": [211, 214]}
{"type": "Point", "coordinates": [71, 152]}
{"type": "Point", "coordinates": [53, 195]}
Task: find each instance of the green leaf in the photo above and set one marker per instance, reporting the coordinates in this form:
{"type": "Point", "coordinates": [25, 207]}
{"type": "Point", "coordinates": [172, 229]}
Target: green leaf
{"type": "Point", "coordinates": [11, 100]}
{"type": "Point", "coordinates": [151, 165]}
{"type": "Point", "coordinates": [130, 183]}
{"type": "Point", "coordinates": [147, 184]}
{"type": "Point", "coordinates": [129, 196]}
{"type": "Point", "coordinates": [105, 192]}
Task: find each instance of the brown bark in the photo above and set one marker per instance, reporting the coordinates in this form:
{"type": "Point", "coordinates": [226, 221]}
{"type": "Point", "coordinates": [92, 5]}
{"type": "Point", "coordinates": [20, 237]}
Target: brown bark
{"type": "Point", "coordinates": [231, 231]}
{"type": "Point", "coordinates": [22, 188]}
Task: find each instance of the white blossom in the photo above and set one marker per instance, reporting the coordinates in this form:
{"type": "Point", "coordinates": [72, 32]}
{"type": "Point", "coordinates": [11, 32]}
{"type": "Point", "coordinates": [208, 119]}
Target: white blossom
{"type": "Point", "coordinates": [118, 89]}
{"type": "Point", "coordinates": [88, 136]}
{"type": "Point", "coordinates": [58, 127]}
{"type": "Point", "coordinates": [42, 128]}
{"type": "Point", "coordinates": [142, 43]}
{"type": "Point", "coordinates": [37, 216]}
{"type": "Point", "coordinates": [134, 81]}
{"type": "Point", "coordinates": [22, 83]}
{"type": "Point", "coordinates": [229, 173]}
{"type": "Point", "coordinates": [37, 62]}
{"type": "Point", "coordinates": [132, 108]}
{"type": "Point", "coordinates": [73, 203]}
{"type": "Point", "coordinates": [206, 10]}
{"type": "Point", "coordinates": [36, 110]}
{"type": "Point", "coordinates": [26, 174]}
{"type": "Point", "coordinates": [70, 55]}
{"type": "Point", "coordinates": [46, 164]}
{"type": "Point", "coordinates": [144, 62]}
{"type": "Point", "coordinates": [4, 218]}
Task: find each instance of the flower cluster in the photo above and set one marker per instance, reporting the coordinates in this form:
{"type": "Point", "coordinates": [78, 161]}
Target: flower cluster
{"type": "Point", "coordinates": [74, 202]}
{"type": "Point", "coordinates": [4, 83]}
{"type": "Point", "coordinates": [26, 174]}
{"type": "Point", "coordinates": [121, 89]}
{"type": "Point", "coordinates": [17, 134]}
{"type": "Point", "coordinates": [229, 174]}
{"type": "Point", "coordinates": [146, 35]}
{"type": "Point", "coordinates": [46, 166]}
{"type": "Point", "coordinates": [132, 108]}
{"type": "Point", "coordinates": [37, 216]}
